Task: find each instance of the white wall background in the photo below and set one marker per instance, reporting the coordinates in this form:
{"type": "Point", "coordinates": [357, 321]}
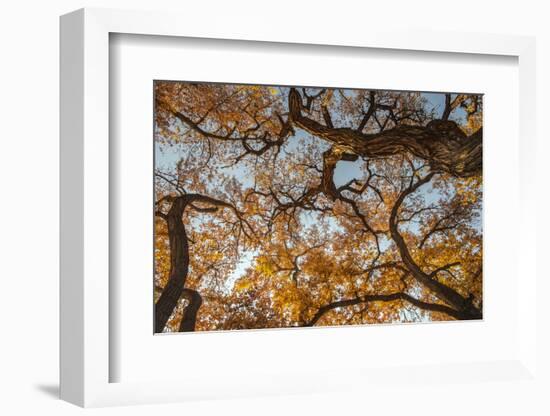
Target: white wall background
{"type": "Point", "coordinates": [29, 56]}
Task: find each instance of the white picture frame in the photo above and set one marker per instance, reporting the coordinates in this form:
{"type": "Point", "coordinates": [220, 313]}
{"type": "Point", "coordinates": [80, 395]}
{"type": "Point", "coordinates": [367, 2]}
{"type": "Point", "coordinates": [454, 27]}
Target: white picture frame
{"type": "Point", "coordinates": [85, 166]}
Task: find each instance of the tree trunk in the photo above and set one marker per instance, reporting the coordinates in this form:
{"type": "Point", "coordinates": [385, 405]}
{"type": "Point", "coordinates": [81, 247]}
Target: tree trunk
{"type": "Point", "coordinates": [462, 305]}
{"type": "Point", "coordinates": [179, 264]}
{"type": "Point", "coordinates": [189, 318]}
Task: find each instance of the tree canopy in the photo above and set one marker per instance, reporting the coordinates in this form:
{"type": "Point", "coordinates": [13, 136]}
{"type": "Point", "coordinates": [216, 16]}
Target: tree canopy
{"type": "Point", "coordinates": [298, 207]}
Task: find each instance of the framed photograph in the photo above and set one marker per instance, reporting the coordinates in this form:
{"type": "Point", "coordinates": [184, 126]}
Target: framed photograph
{"type": "Point", "coordinates": [282, 206]}
{"type": "Point", "coordinates": [288, 213]}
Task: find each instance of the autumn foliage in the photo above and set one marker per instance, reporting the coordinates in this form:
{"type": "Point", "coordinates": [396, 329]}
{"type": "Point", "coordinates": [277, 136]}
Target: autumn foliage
{"type": "Point", "coordinates": [294, 207]}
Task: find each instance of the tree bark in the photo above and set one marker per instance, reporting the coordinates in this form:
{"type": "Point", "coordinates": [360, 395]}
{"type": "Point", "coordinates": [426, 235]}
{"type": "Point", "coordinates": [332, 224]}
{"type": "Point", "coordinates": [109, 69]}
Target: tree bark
{"type": "Point", "coordinates": [441, 143]}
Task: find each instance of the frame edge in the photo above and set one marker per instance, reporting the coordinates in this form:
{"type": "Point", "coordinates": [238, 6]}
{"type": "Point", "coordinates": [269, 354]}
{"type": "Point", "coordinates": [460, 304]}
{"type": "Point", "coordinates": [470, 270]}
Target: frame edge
{"type": "Point", "coordinates": [71, 217]}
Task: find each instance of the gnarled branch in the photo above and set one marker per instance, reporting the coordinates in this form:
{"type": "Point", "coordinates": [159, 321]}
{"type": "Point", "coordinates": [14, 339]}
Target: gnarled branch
{"type": "Point", "coordinates": [435, 307]}
{"type": "Point", "coordinates": [441, 143]}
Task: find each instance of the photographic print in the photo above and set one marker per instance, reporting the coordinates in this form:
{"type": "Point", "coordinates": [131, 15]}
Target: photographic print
{"type": "Point", "coordinates": [289, 206]}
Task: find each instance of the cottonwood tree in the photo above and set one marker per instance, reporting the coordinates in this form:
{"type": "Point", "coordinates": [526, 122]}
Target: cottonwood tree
{"type": "Point", "coordinates": [283, 207]}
